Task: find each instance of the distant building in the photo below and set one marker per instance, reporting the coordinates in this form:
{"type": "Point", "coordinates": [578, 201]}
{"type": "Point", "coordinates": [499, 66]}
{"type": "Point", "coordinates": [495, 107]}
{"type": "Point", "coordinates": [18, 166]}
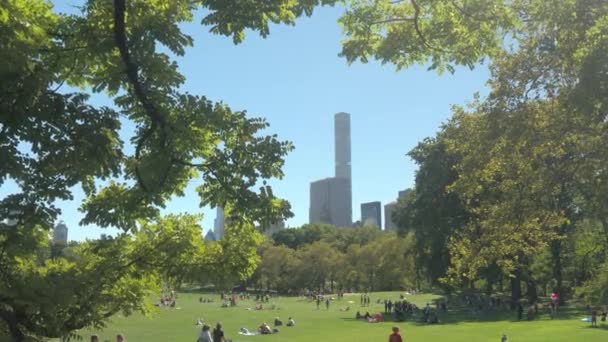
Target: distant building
{"type": "Point", "coordinates": [404, 193]}
{"type": "Point", "coordinates": [331, 198]}
{"type": "Point", "coordinates": [329, 202]}
{"type": "Point", "coordinates": [219, 224]}
{"type": "Point", "coordinates": [210, 236]}
{"type": "Point", "coordinates": [389, 208]}
{"type": "Point", "coordinates": [274, 228]}
{"type": "Point", "coordinates": [389, 224]}
{"type": "Point", "coordinates": [60, 234]}
{"type": "Point", "coordinates": [342, 145]}
{"type": "Point", "coordinates": [371, 214]}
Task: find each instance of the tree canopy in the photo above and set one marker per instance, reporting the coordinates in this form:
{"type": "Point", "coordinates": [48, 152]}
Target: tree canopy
{"type": "Point", "coordinates": [524, 166]}
{"type": "Point", "coordinates": [52, 139]}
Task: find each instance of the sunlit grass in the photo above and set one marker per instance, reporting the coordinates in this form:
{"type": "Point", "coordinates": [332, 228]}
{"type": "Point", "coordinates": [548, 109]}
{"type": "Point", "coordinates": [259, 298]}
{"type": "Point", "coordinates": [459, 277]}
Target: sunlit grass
{"type": "Point", "coordinates": [333, 325]}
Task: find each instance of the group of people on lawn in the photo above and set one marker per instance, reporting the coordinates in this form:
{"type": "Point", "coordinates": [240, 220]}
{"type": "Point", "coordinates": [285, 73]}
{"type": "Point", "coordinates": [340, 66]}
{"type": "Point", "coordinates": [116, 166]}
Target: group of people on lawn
{"type": "Point", "coordinates": [217, 335]}
{"type": "Point", "coordinates": [119, 338]}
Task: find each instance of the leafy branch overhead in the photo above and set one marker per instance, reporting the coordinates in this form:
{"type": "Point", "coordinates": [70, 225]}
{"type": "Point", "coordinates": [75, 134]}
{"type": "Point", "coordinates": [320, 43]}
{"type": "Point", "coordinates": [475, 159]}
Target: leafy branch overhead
{"type": "Point", "coordinates": [53, 139]}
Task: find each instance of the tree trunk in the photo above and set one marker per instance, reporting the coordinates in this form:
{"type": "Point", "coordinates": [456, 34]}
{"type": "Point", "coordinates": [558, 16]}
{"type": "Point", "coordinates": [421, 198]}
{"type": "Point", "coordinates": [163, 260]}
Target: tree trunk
{"type": "Point", "coordinates": [605, 226]}
{"type": "Point", "coordinates": [515, 289]}
{"type": "Point", "coordinates": [531, 292]}
{"type": "Point", "coordinates": [12, 324]}
{"type": "Point", "coordinates": [489, 286]}
{"type": "Point", "coordinates": [556, 255]}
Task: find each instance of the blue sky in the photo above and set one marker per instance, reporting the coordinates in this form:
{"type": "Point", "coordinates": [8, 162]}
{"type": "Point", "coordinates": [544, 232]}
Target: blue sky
{"type": "Point", "coordinates": [295, 79]}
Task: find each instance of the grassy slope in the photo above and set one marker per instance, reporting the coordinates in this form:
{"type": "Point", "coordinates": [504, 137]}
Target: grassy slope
{"type": "Point", "coordinates": [333, 325]}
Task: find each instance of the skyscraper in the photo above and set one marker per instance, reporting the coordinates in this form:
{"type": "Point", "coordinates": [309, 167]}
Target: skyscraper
{"type": "Point", "coordinates": [329, 202]}
{"type": "Point", "coordinates": [371, 215]}
{"type": "Point", "coordinates": [389, 224]}
{"type": "Point", "coordinates": [218, 224]}
{"type": "Point", "coordinates": [60, 234]}
{"type": "Point", "coordinates": [342, 145]}
{"type": "Point", "coordinates": [274, 228]}
{"type": "Point", "coordinates": [389, 208]}
{"type": "Point", "coordinates": [331, 198]}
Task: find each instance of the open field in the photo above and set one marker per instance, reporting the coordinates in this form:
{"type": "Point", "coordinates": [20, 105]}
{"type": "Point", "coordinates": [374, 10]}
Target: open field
{"type": "Point", "coordinates": [332, 325]}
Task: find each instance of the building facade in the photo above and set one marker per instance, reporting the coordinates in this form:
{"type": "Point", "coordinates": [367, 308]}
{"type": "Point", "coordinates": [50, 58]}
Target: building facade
{"type": "Point", "coordinates": [274, 228]}
{"type": "Point", "coordinates": [329, 202]}
{"type": "Point", "coordinates": [342, 145]}
{"type": "Point", "coordinates": [331, 198]}
{"type": "Point", "coordinates": [389, 208]}
{"type": "Point", "coordinates": [219, 224]}
{"type": "Point", "coordinates": [60, 234]}
{"type": "Point", "coordinates": [371, 214]}
{"type": "Point", "coordinates": [210, 236]}
{"type": "Point", "coordinates": [389, 224]}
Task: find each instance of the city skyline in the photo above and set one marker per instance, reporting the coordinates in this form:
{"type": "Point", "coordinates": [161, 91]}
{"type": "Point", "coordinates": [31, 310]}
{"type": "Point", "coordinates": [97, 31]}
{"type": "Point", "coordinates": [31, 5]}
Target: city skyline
{"type": "Point", "coordinates": [331, 199]}
{"type": "Point", "coordinates": [295, 80]}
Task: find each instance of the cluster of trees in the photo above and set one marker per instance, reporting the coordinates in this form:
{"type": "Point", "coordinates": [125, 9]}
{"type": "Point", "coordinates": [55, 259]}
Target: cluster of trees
{"type": "Point", "coordinates": [52, 140]}
{"type": "Point", "coordinates": [325, 258]}
{"type": "Point", "coordinates": [512, 190]}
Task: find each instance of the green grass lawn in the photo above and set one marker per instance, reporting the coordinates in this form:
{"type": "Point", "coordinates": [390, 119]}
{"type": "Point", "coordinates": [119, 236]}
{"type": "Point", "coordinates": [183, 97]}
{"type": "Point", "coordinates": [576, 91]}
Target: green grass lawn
{"type": "Point", "coordinates": [332, 325]}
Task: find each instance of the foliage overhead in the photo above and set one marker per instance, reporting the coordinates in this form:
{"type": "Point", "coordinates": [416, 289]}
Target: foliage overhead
{"type": "Point", "coordinates": [53, 139]}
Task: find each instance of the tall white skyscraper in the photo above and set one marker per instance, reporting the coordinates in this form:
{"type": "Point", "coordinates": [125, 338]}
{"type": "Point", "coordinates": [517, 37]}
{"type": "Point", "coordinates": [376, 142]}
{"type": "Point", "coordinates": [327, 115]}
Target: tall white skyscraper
{"type": "Point", "coordinates": [60, 233]}
{"type": "Point", "coordinates": [331, 198]}
{"type": "Point", "coordinates": [218, 224]}
{"type": "Point", "coordinates": [342, 145]}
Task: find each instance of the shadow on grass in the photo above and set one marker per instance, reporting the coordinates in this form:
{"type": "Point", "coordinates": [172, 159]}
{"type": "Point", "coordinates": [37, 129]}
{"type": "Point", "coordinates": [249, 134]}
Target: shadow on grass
{"type": "Point", "coordinates": [461, 314]}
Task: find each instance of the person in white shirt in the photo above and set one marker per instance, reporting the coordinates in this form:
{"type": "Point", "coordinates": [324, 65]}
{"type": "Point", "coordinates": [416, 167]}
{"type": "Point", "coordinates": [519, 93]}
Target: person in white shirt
{"type": "Point", "coordinates": [205, 335]}
{"type": "Point", "coordinates": [291, 322]}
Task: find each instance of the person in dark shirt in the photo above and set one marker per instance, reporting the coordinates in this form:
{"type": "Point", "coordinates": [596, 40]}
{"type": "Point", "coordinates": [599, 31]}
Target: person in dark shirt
{"type": "Point", "coordinates": [218, 333]}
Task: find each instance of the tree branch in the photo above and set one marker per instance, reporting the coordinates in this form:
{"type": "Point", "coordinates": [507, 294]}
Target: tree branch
{"type": "Point", "coordinates": [417, 27]}
{"type": "Point", "coordinates": [393, 20]}
{"type": "Point", "coordinates": [131, 70]}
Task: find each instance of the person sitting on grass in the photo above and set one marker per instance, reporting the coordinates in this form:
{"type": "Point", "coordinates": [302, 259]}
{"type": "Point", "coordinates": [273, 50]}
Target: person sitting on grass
{"type": "Point", "coordinates": [358, 315]}
{"type": "Point", "coordinates": [94, 338]}
{"type": "Point", "coordinates": [530, 313]}
{"type": "Point", "coordinates": [205, 335]}
{"type": "Point", "coordinates": [395, 337]}
{"type": "Point", "coordinates": [264, 329]}
{"type": "Point", "coordinates": [218, 333]}
{"type": "Point", "coordinates": [277, 322]}
{"type": "Point", "coordinates": [291, 322]}
{"type": "Point", "coordinates": [121, 338]}
{"type": "Point", "coordinates": [367, 315]}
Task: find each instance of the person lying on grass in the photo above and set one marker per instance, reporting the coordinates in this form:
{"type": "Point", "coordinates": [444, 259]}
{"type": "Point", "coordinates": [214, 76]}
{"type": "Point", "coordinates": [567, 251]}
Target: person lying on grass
{"type": "Point", "coordinates": [264, 329]}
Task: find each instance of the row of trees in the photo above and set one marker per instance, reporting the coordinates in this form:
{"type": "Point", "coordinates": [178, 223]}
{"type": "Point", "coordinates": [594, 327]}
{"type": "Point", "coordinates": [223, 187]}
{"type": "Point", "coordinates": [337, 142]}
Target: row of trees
{"type": "Point", "coordinates": [513, 187]}
{"type": "Point", "coordinates": [325, 258]}
{"type": "Point", "coordinates": [52, 140]}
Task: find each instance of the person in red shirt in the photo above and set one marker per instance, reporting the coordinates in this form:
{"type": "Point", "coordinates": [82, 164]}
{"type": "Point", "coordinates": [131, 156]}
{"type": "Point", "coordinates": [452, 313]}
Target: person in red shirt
{"type": "Point", "coordinates": [395, 337]}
